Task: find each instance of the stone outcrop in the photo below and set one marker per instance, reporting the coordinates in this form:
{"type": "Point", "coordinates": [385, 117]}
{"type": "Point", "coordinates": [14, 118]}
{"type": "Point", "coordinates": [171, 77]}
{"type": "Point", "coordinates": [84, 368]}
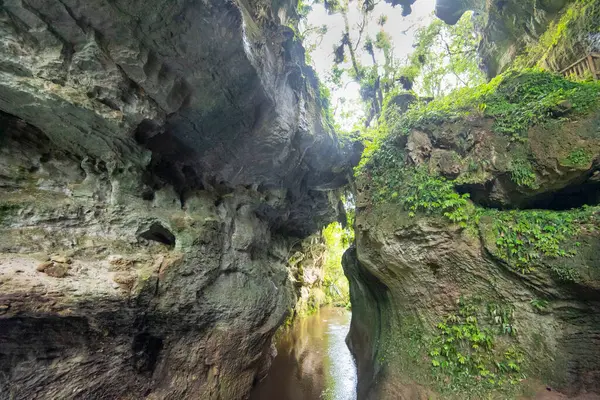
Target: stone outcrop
{"type": "Point", "coordinates": [474, 273]}
{"type": "Point", "coordinates": [157, 161]}
{"type": "Point", "coordinates": [508, 25]}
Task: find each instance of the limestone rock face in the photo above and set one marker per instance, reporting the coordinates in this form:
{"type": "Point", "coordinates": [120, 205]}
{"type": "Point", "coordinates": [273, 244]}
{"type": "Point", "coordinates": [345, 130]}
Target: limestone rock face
{"type": "Point", "coordinates": [411, 273]}
{"type": "Point", "coordinates": [156, 160]}
{"type": "Point", "coordinates": [487, 165]}
{"type": "Point", "coordinates": [407, 276]}
{"type": "Point", "coordinates": [508, 25]}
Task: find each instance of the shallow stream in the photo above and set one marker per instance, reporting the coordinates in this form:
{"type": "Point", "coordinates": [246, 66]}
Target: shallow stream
{"type": "Point", "coordinates": [313, 361]}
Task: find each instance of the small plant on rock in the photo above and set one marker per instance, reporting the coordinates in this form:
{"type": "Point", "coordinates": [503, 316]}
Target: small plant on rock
{"type": "Point", "coordinates": [539, 305]}
{"type": "Point", "coordinates": [466, 354]}
{"type": "Point", "coordinates": [577, 158]}
{"type": "Point", "coordinates": [522, 174]}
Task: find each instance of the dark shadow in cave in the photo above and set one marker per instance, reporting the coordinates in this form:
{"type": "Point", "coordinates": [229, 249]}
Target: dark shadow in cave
{"type": "Point", "coordinates": [146, 349]}
{"type": "Point", "coordinates": [572, 196]}
{"type": "Point", "coordinates": [158, 233]}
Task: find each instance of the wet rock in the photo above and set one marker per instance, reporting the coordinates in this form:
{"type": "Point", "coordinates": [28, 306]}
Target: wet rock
{"type": "Point", "coordinates": [418, 147]}
{"type": "Point", "coordinates": [446, 163]}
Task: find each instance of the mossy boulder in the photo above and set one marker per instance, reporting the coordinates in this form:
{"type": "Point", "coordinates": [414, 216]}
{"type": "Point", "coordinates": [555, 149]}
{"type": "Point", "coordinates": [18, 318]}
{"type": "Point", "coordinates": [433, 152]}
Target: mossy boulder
{"type": "Point", "coordinates": [475, 233]}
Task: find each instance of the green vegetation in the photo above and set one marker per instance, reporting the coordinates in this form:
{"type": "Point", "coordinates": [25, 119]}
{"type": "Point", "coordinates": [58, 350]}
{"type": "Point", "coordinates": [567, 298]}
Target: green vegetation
{"type": "Point", "coordinates": [324, 100]}
{"type": "Point", "coordinates": [566, 39]}
{"type": "Point", "coordinates": [577, 158]}
{"type": "Point", "coordinates": [523, 237]}
{"type": "Point", "coordinates": [445, 57]}
{"type": "Point", "coordinates": [515, 100]}
{"type": "Point", "coordinates": [318, 266]}
{"type": "Point", "coordinates": [337, 239]}
{"type": "Point", "coordinates": [467, 356]}
{"type": "Point", "coordinates": [539, 305]}
{"type": "Point", "coordinates": [522, 173]}
{"type": "Point", "coordinates": [419, 192]}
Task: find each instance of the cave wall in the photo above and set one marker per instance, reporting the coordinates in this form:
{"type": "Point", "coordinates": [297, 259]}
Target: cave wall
{"type": "Point", "coordinates": [157, 162]}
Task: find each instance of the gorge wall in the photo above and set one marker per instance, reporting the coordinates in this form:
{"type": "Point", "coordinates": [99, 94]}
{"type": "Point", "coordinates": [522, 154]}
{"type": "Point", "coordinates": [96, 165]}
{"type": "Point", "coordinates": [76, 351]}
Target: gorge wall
{"type": "Point", "coordinates": [158, 160]}
{"type": "Point", "coordinates": [475, 271]}
{"type": "Point", "coordinates": [554, 34]}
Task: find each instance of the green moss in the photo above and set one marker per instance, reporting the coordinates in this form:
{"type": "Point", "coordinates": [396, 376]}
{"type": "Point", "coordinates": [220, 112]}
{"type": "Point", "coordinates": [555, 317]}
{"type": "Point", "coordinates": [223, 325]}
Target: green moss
{"type": "Point", "coordinates": [564, 40]}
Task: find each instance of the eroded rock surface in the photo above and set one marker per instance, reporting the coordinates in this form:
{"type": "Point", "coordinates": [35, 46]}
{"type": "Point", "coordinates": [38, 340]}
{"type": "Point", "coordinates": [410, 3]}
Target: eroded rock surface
{"type": "Point", "coordinates": [156, 160]}
{"type": "Point", "coordinates": [475, 271]}
{"type": "Point", "coordinates": [508, 25]}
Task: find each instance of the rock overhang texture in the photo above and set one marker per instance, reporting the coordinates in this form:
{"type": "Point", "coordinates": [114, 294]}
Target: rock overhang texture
{"type": "Point", "coordinates": [506, 26]}
{"type": "Point", "coordinates": [157, 162]}
{"type": "Point", "coordinates": [205, 93]}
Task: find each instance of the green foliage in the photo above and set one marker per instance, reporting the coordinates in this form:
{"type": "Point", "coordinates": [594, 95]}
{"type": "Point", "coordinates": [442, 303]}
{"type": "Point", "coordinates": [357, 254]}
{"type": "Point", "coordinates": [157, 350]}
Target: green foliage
{"type": "Point", "coordinates": [445, 57]}
{"type": "Point", "coordinates": [337, 239]}
{"type": "Point", "coordinates": [539, 305]}
{"type": "Point", "coordinates": [515, 100]}
{"type": "Point", "coordinates": [577, 158]}
{"type": "Point", "coordinates": [524, 236]}
{"type": "Point", "coordinates": [465, 355]}
{"type": "Point", "coordinates": [521, 172]}
{"type": "Point", "coordinates": [325, 102]}
{"type": "Point", "coordinates": [417, 190]}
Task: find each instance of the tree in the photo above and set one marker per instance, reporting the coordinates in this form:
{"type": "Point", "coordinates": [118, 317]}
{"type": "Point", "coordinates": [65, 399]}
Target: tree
{"type": "Point", "coordinates": [445, 57]}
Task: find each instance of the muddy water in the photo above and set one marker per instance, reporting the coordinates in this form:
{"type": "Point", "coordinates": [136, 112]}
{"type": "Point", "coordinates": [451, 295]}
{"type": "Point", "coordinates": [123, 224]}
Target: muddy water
{"type": "Point", "coordinates": [312, 361]}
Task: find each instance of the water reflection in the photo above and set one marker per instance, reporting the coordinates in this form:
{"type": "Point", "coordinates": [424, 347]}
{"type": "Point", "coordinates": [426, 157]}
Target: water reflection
{"type": "Point", "coordinates": [312, 361]}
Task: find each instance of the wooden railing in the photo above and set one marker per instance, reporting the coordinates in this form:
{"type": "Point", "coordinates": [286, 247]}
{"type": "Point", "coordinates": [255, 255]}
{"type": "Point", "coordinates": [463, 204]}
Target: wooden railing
{"type": "Point", "coordinates": [588, 64]}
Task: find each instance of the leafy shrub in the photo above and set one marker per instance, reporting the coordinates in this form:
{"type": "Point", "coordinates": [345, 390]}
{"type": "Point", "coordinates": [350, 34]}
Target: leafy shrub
{"type": "Point", "coordinates": [524, 236]}
{"type": "Point", "coordinates": [539, 304]}
{"type": "Point", "coordinates": [577, 158]}
{"type": "Point", "coordinates": [465, 353]}
{"type": "Point", "coordinates": [522, 174]}
{"type": "Point", "coordinates": [418, 191]}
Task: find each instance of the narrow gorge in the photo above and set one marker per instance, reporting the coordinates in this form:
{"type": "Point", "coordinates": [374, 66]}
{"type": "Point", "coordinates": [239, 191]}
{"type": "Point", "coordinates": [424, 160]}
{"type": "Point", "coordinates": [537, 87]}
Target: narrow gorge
{"type": "Point", "coordinates": [178, 181]}
{"type": "Point", "coordinates": [158, 161]}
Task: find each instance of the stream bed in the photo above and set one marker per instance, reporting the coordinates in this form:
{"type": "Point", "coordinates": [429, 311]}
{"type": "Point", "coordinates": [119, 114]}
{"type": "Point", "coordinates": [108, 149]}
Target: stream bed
{"type": "Point", "coordinates": [313, 361]}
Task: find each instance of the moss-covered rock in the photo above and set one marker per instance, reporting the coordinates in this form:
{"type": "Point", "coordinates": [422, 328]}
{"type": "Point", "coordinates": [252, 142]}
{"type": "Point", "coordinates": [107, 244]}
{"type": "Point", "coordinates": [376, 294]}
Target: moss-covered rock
{"type": "Point", "coordinates": [473, 275]}
{"type": "Point", "coordinates": [502, 143]}
{"type": "Point", "coordinates": [508, 25]}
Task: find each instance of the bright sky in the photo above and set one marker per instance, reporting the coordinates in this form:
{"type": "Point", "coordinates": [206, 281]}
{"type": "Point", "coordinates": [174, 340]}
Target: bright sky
{"type": "Point", "coordinates": [401, 29]}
